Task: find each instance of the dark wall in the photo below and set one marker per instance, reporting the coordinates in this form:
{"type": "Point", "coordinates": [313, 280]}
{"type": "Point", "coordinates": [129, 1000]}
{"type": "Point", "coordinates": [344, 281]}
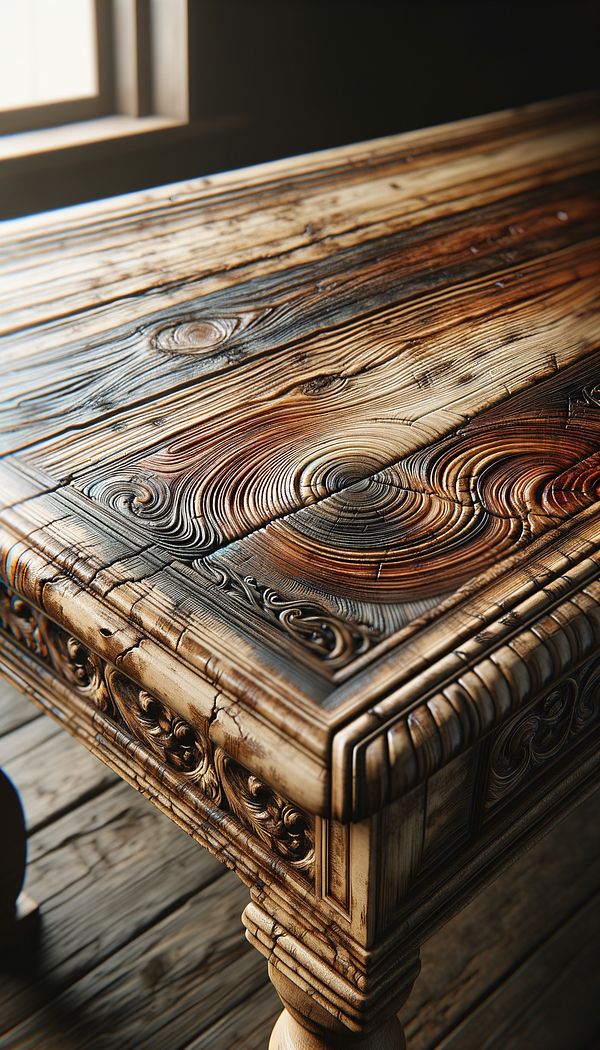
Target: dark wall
{"type": "Point", "coordinates": [270, 78]}
{"type": "Point", "coordinates": [312, 73]}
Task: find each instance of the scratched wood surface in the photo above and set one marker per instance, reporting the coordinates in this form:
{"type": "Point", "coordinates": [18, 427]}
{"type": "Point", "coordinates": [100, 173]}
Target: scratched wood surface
{"type": "Point", "coordinates": [297, 429]}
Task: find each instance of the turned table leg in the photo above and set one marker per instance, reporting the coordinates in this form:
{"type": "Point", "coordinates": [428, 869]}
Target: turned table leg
{"type": "Point", "coordinates": [304, 1025]}
{"type": "Point", "coordinates": [331, 1002]}
{"type": "Point", "coordinates": [15, 906]}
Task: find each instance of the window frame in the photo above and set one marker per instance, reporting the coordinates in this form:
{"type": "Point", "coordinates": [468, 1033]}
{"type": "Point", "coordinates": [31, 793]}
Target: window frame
{"type": "Point", "coordinates": [142, 65]}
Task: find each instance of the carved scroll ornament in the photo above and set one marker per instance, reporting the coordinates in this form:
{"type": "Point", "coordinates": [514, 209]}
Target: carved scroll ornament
{"type": "Point", "coordinates": [285, 829]}
{"type": "Point", "coordinates": [330, 637]}
{"type": "Point", "coordinates": [542, 733]}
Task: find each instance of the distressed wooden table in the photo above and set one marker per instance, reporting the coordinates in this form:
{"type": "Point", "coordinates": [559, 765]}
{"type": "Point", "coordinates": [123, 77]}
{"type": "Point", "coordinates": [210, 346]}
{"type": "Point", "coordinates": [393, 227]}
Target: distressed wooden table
{"type": "Point", "coordinates": [299, 526]}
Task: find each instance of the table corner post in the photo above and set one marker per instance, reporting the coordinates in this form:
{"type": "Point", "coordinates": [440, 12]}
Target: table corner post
{"type": "Point", "coordinates": [339, 974]}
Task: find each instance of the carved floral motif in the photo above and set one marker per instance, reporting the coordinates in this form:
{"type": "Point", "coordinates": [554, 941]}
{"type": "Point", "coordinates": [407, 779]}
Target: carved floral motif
{"type": "Point", "coordinates": [165, 733]}
{"type": "Point", "coordinates": [18, 618]}
{"type": "Point", "coordinates": [271, 816]}
{"type": "Point", "coordinates": [286, 830]}
{"type": "Point", "coordinates": [544, 731]}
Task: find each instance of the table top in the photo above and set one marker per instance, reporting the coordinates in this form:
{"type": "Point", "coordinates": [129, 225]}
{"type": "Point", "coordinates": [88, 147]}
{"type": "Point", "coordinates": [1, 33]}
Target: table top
{"type": "Point", "coordinates": [312, 450]}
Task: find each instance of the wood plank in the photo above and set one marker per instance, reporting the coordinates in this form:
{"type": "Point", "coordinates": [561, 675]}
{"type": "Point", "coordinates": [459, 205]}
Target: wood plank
{"type": "Point", "coordinates": [377, 551]}
{"type": "Point", "coordinates": [154, 989]}
{"type": "Point", "coordinates": [385, 368]}
{"type": "Point", "coordinates": [472, 939]}
{"type": "Point", "coordinates": [51, 770]}
{"type": "Point", "coordinates": [25, 739]}
{"type": "Point", "coordinates": [102, 873]}
{"type": "Point", "coordinates": [501, 927]}
{"type": "Point", "coordinates": [14, 713]}
{"type": "Point", "coordinates": [219, 331]}
{"type": "Point", "coordinates": [148, 249]}
{"type": "Point", "coordinates": [550, 1001]}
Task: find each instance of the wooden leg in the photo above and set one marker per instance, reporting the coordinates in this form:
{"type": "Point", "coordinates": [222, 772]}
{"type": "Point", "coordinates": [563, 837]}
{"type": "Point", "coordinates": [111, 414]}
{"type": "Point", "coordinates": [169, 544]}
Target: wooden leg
{"type": "Point", "coordinates": [332, 1000]}
{"type": "Point", "coordinates": [15, 907]}
{"type": "Point", "coordinates": [304, 1025]}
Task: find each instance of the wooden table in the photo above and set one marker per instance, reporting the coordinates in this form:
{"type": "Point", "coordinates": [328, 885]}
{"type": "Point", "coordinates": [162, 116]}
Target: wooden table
{"type": "Point", "coordinates": [299, 526]}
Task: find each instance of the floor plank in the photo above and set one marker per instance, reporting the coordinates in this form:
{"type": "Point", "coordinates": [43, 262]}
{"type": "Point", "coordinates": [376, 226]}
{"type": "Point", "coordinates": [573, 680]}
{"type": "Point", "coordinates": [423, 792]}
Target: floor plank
{"type": "Point", "coordinates": [548, 1003]}
{"type": "Point", "coordinates": [187, 970]}
{"type": "Point", "coordinates": [51, 770]}
{"type": "Point", "coordinates": [101, 885]}
{"type": "Point", "coordinates": [24, 740]}
{"type": "Point", "coordinates": [503, 925]}
{"type": "Point", "coordinates": [13, 712]}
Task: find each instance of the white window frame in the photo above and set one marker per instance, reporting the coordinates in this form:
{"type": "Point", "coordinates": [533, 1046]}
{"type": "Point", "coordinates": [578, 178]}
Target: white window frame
{"type": "Point", "coordinates": [143, 82]}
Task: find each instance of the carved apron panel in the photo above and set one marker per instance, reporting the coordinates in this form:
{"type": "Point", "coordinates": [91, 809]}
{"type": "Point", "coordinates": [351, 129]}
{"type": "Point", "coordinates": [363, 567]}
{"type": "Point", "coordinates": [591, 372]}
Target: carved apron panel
{"type": "Point", "coordinates": [286, 829]}
{"type": "Point", "coordinates": [539, 736]}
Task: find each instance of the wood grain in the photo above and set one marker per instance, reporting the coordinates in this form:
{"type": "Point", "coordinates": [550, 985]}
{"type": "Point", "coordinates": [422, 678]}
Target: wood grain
{"type": "Point", "coordinates": [302, 201]}
{"type": "Point", "coordinates": [520, 1010]}
{"type": "Point", "coordinates": [58, 770]}
{"type": "Point", "coordinates": [427, 524]}
{"type": "Point", "coordinates": [360, 364]}
{"type": "Point", "coordinates": [368, 372]}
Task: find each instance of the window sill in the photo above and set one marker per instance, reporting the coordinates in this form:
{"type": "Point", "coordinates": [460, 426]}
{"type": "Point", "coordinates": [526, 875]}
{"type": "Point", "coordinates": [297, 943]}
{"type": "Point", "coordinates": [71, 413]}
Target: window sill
{"type": "Point", "coordinates": [68, 136]}
{"type": "Point", "coordinates": [54, 168]}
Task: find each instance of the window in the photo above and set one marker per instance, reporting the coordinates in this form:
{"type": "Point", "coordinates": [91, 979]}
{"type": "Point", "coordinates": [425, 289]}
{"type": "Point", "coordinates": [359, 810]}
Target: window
{"type": "Point", "coordinates": [50, 68]}
{"type": "Point", "coordinates": [48, 51]}
{"type": "Point", "coordinates": [66, 61]}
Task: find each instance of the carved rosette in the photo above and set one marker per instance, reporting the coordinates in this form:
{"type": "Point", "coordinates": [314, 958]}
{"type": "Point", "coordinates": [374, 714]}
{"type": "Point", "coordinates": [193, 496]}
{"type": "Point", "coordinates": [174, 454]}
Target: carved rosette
{"type": "Point", "coordinates": [284, 828]}
{"type": "Point", "coordinates": [539, 735]}
{"type": "Point", "coordinates": [163, 732]}
{"type": "Point", "coordinates": [77, 665]}
{"type": "Point", "coordinates": [271, 816]}
{"type": "Point", "coordinates": [19, 619]}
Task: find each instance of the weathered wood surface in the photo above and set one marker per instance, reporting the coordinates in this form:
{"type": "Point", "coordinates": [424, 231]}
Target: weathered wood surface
{"type": "Point", "coordinates": [529, 1008]}
{"type": "Point", "coordinates": [55, 771]}
{"type": "Point", "coordinates": [14, 715]}
{"type": "Point", "coordinates": [310, 423]}
{"type": "Point", "coordinates": [469, 987]}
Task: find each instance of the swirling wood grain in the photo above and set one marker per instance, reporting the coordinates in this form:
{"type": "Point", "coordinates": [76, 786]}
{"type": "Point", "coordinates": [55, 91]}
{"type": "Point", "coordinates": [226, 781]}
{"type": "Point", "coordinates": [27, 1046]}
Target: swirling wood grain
{"type": "Point", "coordinates": [433, 521]}
{"type": "Point", "coordinates": [395, 539]}
{"type": "Point", "coordinates": [216, 463]}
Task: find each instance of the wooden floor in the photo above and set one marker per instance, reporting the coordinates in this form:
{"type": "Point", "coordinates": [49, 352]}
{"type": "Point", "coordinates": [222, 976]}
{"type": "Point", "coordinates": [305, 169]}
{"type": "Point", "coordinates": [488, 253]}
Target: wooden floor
{"type": "Point", "coordinates": [138, 953]}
